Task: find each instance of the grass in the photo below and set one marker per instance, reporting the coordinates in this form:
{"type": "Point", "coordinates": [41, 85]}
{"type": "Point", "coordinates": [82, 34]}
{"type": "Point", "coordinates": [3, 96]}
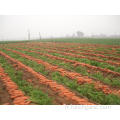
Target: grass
{"type": "Point", "coordinates": [106, 41]}
{"type": "Point", "coordinates": [35, 94]}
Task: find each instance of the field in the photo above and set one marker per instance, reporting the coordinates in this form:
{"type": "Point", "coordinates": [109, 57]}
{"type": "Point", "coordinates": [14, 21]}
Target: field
{"type": "Point", "coordinates": [49, 72]}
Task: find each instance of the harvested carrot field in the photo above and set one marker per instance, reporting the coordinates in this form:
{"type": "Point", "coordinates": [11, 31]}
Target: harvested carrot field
{"type": "Point", "coordinates": [53, 73]}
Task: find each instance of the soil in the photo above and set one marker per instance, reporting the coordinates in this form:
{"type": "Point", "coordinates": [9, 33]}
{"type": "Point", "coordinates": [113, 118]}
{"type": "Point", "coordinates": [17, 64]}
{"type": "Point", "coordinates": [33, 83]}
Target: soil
{"type": "Point", "coordinates": [56, 100]}
{"type": "Point", "coordinates": [4, 95]}
{"type": "Point", "coordinates": [61, 94]}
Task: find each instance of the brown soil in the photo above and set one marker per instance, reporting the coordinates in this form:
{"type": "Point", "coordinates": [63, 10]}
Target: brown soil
{"type": "Point", "coordinates": [60, 93]}
{"type": "Point", "coordinates": [56, 99]}
{"type": "Point", "coordinates": [72, 75]}
{"type": "Point", "coordinates": [4, 95]}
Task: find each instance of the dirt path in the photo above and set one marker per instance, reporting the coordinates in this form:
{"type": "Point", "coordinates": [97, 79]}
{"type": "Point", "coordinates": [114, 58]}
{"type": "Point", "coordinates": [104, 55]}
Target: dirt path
{"type": "Point", "coordinates": [4, 95]}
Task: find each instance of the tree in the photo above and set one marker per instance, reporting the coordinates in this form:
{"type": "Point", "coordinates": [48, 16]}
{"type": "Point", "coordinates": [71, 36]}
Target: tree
{"type": "Point", "coordinates": [80, 34]}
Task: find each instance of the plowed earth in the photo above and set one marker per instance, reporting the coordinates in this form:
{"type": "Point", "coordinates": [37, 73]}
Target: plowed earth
{"type": "Point", "coordinates": [11, 94]}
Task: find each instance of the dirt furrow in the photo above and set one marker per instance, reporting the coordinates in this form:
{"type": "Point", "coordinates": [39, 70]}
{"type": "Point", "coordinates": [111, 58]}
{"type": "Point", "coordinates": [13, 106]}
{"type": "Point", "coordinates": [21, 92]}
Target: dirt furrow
{"type": "Point", "coordinates": [4, 95]}
{"type": "Point", "coordinates": [54, 50]}
{"type": "Point", "coordinates": [59, 89]}
{"type": "Point", "coordinates": [73, 75]}
{"type": "Point", "coordinates": [80, 56]}
{"type": "Point", "coordinates": [76, 63]}
{"type": "Point", "coordinates": [16, 95]}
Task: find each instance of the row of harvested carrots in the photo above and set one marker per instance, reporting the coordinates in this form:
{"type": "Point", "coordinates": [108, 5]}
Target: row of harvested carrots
{"type": "Point", "coordinates": [73, 75]}
{"type": "Point", "coordinates": [59, 89]}
{"type": "Point", "coordinates": [76, 63]}
{"type": "Point", "coordinates": [16, 95]}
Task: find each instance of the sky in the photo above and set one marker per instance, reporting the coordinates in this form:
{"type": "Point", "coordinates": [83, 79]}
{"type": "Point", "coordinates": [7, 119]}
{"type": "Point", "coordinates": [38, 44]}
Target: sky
{"type": "Point", "coordinates": [15, 27]}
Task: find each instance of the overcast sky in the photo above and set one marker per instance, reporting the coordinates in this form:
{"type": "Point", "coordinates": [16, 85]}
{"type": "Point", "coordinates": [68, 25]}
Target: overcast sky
{"type": "Point", "coordinates": [16, 27]}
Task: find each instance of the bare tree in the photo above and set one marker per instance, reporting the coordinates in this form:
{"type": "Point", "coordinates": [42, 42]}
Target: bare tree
{"type": "Point", "coordinates": [80, 34]}
{"type": "Point", "coordinates": [40, 35]}
{"type": "Point", "coordinates": [73, 35]}
{"type": "Point", "coordinates": [28, 34]}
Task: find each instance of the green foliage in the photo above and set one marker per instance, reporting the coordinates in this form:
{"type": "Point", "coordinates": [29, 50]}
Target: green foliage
{"type": "Point", "coordinates": [87, 90]}
{"type": "Point", "coordinates": [115, 82]}
{"type": "Point", "coordinates": [91, 62]}
{"type": "Point", "coordinates": [51, 61]}
{"type": "Point", "coordinates": [106, 41]}
{"type": "Point", "coordinates": [39, 97]}
{"type": "Point", "coordinates": [36, 95]}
